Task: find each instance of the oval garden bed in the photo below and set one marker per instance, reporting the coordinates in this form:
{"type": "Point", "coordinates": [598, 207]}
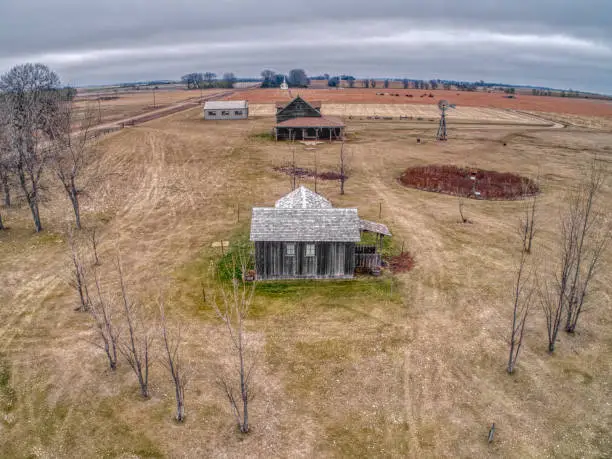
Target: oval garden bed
{"type": "Point", "coordinates": [469, 182]}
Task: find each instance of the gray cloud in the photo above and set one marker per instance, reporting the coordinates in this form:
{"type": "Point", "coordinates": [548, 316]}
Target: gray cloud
{"type": "Point", "coordinates": [561, 43]}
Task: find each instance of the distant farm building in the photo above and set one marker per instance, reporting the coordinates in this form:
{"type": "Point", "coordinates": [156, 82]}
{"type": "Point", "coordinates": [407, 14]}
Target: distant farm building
{"type": "Point", "coordinates": [303, 236]}
{"type": "Point", "coordinates": [301, 120]}
{"type": "Point", "coordinates": [226, 110]}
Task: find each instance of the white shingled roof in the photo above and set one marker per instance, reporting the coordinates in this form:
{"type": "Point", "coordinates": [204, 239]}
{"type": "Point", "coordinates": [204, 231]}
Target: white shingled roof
{"type": "Point", "coordinates": [312, 225]}
{"type": "Point", "coordinates": [302, 198]}
{"type": "Point", "coordinates": [225, 104]}
{"type": "Point", "coordinates": [303, 215]}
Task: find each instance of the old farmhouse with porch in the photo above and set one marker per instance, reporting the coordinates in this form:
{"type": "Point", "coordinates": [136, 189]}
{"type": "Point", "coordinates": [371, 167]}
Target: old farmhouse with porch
{"type": "Point", "coordinates": [301, 120]}
{"type": "Point", "coordinates": [303, 236]}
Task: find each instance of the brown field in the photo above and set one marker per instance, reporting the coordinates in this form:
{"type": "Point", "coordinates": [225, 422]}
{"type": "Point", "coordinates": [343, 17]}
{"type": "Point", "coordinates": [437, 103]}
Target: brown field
{"type": "Point", "coordinates": [418, 112]}
{"type": "Point", "coordinates": [407, 365]}
{"type": "Point", "coordinates": [583, 107]}
{"type": "Point", "coordinates": [130, 104]}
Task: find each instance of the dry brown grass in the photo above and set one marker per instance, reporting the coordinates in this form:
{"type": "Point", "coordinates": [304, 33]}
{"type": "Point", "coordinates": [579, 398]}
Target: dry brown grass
{"type": "Point", "coordinates": [407, 366]}
{"type": "Point", "coordinates": [416, 112]}
{"type": "Point", "coordinates": [130, 104]}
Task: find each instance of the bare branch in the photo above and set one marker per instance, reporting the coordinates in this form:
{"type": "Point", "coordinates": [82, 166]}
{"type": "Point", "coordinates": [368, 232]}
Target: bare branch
{"type": "Point", "coordinates": [232, 308]}
{"type": "Point", "coordinates": [102, 310]}
{"type": "Point", "coordinates": [78, 273]}
{"type": "Point", "coordinates": [173, 362]}
{"type": "Point", "coordinates": [137, 346]}
{"type": "Point", "coordinates": [522, 298]}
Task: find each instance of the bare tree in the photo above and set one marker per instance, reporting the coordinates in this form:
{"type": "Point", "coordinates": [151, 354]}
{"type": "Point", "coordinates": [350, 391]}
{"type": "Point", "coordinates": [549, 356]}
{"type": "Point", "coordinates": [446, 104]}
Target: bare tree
{"type": "Point", "coordinates": [136, 347]}
{"type": "Point", "coordinates": [583, 237]}
{"type": "Point", "coordinates": [528, 220]}
{"type": "Point", "coordinates": [591, 235]}
{"type": "Point", "coordinates": [461, 205]}
{"type": "Point", "coordinates": [7, 157]}
{"type": "Point", "coordinates": [316, 170]}
{"type": "Point", "coordinates": [31, 95]}
{"type": "Point", "coordinates": [78, 279]}
{"type": "Point", "coordinates": [293, 169]}
{"type": "Point", "coordinates": [102, 310]}
{"type": "Point", "coordinates": [173, 363]}
{"type": "Point", "coordinates": [343, 168]}
{"type": "Point", "coordinates": [233, 309]}
{"type": "Point", "coordinates": [522, 297]}
{"type": "Point", "coordinates": [93, 238]}
{"type": "Point", "coordinates": [553, 294]}
{"type": "Point", "coordinates": [72, 152]}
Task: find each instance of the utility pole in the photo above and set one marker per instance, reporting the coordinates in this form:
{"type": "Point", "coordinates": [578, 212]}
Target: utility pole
{"type": "Point", "coordinates": [154, 105]}
{"type": "Point", "coordinates": [99, 110]}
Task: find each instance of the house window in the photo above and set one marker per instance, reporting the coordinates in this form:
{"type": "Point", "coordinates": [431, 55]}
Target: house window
{"type": "Point", "coordinates": [212, 113]}
{"type": "Point", "coordinates": [310, 250]}
{"type": "Point", "coordinates": [225, 113]}
{"type": "Point", "coordinates": [238, 113]}
{"type": "Point", "coordinates": [290, 250]}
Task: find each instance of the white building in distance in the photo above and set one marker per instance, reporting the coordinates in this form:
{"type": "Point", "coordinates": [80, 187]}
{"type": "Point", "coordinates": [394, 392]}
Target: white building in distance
{"type": "Point", "coordinates": [226, 110]}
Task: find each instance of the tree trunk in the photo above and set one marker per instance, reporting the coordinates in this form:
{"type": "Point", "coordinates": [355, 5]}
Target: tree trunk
{"type": "Point", "coordinates": [33, 203]}
{"type": "Point", "coordinates": [74, 198]}
{"type": "Point", "coordinates": [7, 193]}
{"type": "Point", "coordinates": [1, 225]}
{"type": "Point", "coordinates": [180, 408]}
{"type": "Point", "coordinates": [511, 357]}
{"type": "Point", "coordinates": [32, 198]}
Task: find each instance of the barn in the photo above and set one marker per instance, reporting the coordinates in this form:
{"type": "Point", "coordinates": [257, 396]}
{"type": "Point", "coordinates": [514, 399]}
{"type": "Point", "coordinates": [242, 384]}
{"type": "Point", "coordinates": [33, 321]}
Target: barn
{"type": "Point", "coordinates": [226, 110]}
{"type": "Point", "coordinates": [302, 120]}
{"type": "Point", "coordinates": [303, 236]}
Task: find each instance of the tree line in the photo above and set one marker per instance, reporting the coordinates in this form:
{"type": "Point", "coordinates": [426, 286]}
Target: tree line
{"type": "Point", "coordinates": [206, 80]}
{"type": "Point", "coordinates": [40, 132]}
{"type": "Point", "coordinates": [139, 333]}
{"type": "Point", "coordinates": [296, 78]}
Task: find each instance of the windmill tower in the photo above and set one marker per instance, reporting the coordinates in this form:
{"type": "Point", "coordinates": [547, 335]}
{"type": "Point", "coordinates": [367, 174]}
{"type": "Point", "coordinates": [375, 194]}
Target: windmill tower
{"type": "Point", "coordinates": [443, 105]}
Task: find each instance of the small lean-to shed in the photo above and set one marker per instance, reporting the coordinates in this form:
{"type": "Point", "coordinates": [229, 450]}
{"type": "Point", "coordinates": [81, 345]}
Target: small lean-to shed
{"type": "Point", "coordinates": [226, 110]}
{"type": "Point", "coordinates": [303, 236]}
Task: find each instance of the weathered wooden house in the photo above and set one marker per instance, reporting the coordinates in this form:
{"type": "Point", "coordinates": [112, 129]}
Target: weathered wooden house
{"type": "Point", "coordinates": [226, 110]}
{"type": "Point", "coordinates": [303, 236]}
{"type": "Point", "coordinates": [301, 120]}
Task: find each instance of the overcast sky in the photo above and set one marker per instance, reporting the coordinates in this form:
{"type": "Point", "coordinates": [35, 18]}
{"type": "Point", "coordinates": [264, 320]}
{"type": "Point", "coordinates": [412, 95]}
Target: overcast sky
{"type": "Point", "coordinates": [558, 43]}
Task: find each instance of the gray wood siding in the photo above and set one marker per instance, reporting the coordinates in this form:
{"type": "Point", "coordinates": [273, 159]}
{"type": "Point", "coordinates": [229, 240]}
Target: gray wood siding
{"type": "Point", "coordinates": [231, 114]}
{"type": "Point", "coordinates": [330, 260]}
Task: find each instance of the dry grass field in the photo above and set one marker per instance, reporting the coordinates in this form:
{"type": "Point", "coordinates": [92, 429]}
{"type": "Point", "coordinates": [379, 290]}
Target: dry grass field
{"type": "Point", "coordinates": [562, 105]}
{"type": "Point", "coordinates": [416, 112]}
{"type": "Point", "coordinates": [130, 104]}
{"type": "Point", "coordinates": [411, 365]}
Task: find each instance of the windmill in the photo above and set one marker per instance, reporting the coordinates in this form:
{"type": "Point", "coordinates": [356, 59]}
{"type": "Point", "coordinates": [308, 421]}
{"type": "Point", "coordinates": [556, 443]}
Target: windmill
{"type": "Point", "coordinates": [443, 105]}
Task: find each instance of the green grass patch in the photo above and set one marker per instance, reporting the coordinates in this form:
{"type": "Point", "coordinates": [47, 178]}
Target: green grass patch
{"type": "Point", "coordinates": [389, 247]}
{"type": "Point", "coordinates": [240, 250]}
{"type": "Point", "coordinates": [268, 136]}
{"type": "Point", "coordinates": [282, 297]}
{"type": "Point", "coordinates": [375, 436]}
{"type": "Point", "coordinates": [46, 238]}
{"type": "Point", "coordinates": [8, 396]}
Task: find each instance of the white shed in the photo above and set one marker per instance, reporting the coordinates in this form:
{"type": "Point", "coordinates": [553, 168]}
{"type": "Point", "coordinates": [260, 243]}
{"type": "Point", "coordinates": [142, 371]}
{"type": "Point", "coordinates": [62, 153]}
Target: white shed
{"type": "Point", "coordinates": [226, 110]}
